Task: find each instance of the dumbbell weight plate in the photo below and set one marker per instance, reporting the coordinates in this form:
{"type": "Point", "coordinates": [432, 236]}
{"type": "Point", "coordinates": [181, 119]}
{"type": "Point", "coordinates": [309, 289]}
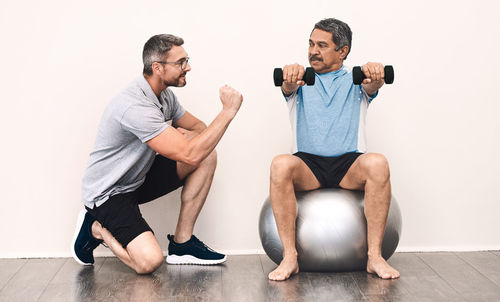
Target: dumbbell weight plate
{"type": "Point", "coordinates": [389, 74]}
{"type": "Point", "coordinates": [278, 76]}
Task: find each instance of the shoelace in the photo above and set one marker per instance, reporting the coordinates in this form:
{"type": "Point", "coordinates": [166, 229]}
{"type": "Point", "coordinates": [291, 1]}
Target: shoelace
{"type": "Point", "coordinates": [199, 243]}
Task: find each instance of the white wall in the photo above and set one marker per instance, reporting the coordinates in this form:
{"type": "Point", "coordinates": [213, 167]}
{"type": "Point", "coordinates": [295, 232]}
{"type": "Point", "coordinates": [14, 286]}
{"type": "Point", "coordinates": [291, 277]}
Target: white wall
{"type": "Point", "coordinates": [61, 62]}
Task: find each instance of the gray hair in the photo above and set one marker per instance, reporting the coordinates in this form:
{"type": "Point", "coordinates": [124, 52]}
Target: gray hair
{"type": "Point", "coordinates": [341, 33]}
{"type": "Point", "coordinates": [156, 48]}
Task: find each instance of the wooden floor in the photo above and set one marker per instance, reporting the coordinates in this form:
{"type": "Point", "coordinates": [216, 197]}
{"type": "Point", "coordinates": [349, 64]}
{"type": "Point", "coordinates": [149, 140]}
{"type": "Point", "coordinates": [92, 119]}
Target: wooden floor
{"type": "Point", "coordinates": [470, 276]}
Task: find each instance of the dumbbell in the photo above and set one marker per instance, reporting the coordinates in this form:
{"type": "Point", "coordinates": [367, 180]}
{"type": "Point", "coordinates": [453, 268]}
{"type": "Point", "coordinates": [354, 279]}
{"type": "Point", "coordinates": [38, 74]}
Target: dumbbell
{"type": "Point", "coordinates": [308, 76]}
{"type": "Point", "coordinates": [358, 76]}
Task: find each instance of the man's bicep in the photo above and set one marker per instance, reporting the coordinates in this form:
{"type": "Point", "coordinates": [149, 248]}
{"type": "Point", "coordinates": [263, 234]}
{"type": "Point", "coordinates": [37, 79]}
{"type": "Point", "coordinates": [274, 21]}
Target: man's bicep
{"type": "Point", "coordinates": [170, 143]}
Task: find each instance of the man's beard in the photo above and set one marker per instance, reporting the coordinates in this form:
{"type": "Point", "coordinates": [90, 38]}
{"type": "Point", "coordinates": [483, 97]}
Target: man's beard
{"type": "Point", "coordinates": [179, 82]}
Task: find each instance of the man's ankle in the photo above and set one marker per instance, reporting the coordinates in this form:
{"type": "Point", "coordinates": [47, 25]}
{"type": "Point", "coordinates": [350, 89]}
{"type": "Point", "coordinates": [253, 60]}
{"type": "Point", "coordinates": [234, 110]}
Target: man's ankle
{"type": "Point", "coordinates": [373, 256]}
{"type": "Point", "coordinates": [181, 239]}
{"type": "Point", "coordinates": [290, 254]}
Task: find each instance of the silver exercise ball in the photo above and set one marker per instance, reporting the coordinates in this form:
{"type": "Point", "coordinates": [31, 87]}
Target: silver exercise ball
{"type": "Point", "coordinates": [331, 231]}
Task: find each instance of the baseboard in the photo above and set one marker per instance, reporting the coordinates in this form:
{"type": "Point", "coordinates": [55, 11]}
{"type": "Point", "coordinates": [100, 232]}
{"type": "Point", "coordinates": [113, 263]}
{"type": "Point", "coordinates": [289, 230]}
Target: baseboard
{"type": "Point", "coordinates": [407, 249]}
{"type": "Point", "coordinates": [108, 253]}
{"type": "Point", "coordinates": [435, 249]}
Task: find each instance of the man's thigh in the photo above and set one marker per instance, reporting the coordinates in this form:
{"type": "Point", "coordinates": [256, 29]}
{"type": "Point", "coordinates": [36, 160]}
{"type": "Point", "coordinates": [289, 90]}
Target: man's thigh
{"type": "Point", "coordinates": [121, 216]}
{"type": "Point", "coordinates": [355, 177]}
{"type": "Point", "coordinates": [144, 248]}
{"type": "Point", "coordinates": [303, 178]}
{"type": "Point", "coordinates": [161, 179]}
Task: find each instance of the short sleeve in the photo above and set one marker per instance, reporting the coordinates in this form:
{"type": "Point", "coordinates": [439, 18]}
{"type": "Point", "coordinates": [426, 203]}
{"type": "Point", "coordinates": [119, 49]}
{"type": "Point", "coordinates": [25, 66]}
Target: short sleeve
{"type": "Point", "coordinates": [292, 96]}
{"type": "Point", "coordinates": [144, 121]}
{"type": "Point", "coordinates": [367, 97]}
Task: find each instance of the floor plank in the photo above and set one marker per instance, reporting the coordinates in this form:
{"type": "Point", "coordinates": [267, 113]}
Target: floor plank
{"type": "Point", "coordinates": [335, 287]}
{"type": "Point", "coordinates": [462, 277]}
{"type": "Point", "coordinates": [158, 286]}
{"type": "Point", "coordinates": [117, 282]}
{"type": "Point", "coordinates": [199, 283]}
{"type": "Point", "coordinates": [420, 280]}
{"type": "Point", "coordinates": [485, 262]}
{"type": "Point", "coordinates": [243, 279]}
{"type": "Point", "coordinates": [73, 282]}
{"type": "Point", "coordinates": [31, 279]}
{"type": "Point", "coordinates": [9, 269]}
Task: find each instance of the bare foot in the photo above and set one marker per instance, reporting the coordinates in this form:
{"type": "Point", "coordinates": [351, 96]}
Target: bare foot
{"type": "Point", "coordinates": [288, 266]}
{"type": "Point", "coordinates": [378, 266]}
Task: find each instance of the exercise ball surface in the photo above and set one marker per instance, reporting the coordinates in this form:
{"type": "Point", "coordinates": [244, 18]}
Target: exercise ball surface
{"type": "Point", "coordinates": [330, 231]}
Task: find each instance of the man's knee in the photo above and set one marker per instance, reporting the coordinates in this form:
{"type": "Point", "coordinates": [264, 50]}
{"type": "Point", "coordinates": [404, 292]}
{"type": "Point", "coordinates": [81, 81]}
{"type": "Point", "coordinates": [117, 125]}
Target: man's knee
{"type": "Point", "coordinates": [210, 160]}
{"type": "Point", "coordinates": [208, 163]}
{"type": "Point", "coordinates": [376, 167]}
{"type": "Point", "coordinates": [145, 253]}
{"type": "Point", "coordinates": [148, 263]}
{"type": "Point", "coordinates": [282, 168]}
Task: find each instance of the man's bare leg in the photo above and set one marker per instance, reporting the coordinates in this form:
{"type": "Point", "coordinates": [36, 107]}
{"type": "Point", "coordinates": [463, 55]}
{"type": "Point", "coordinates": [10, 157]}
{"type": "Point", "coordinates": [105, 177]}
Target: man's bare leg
{"type": "Point", "coordinates": [143, 254]}
{"type": "Point", "coordinates": [194, 193]}
{"type": "Point", "coordinates": [370, 172]}
{"type": "Point", "coordinates": [288, 174]}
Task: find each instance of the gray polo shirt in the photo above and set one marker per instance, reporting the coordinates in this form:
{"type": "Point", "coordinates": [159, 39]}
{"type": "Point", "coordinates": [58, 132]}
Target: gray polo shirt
{"type": "Point", "coordinates": [121, 158]}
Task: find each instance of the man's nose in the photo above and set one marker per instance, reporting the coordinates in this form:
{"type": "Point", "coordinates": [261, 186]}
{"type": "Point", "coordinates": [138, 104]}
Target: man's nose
{"type": "Point", "coordinates": [314, 49]}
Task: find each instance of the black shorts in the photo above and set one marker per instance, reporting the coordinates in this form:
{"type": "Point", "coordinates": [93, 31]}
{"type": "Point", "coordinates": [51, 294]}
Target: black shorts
{"type": "Point", "coordinates": [120, 214]}
{"type": "Point", "coordinates": [328, 170]}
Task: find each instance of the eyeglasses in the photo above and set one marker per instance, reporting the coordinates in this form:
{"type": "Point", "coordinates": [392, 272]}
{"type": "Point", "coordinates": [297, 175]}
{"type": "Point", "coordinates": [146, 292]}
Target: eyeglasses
{"type": "Point", "coordinates": [183, 64]}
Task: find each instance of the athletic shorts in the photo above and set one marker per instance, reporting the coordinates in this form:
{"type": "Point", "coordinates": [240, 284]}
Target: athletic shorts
{"type": "Point", "coordinates": [328, 170]}
{"type": "Point", "coordinates": [120, 214]}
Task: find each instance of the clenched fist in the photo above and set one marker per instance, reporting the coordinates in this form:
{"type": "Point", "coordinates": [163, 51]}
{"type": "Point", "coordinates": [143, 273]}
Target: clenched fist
{"type": "Point", "coordinates": [293, 74]}
{"type": "Point", "coordinates": [231, 98]}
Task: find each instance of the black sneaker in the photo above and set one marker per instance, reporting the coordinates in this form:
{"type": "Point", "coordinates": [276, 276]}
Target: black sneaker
{"type": "Point", "coordinates": [83, 244]}
{"type": "Point", "coordinates": [192, 251]}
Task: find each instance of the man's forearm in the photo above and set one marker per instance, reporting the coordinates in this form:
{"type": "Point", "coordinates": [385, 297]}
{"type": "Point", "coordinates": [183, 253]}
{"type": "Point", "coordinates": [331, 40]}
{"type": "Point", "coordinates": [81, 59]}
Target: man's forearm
{"type": "Point", "coordinates": [372, 88]}
{"type": "Point", "coordinates": [288, 89]}
{"type": "Point", "coordinates": [204, 143]}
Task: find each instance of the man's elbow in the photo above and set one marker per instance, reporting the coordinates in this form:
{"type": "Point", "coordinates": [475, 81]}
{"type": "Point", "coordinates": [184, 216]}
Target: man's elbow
{"type": "Point", "coordinates": [201, 126]}
{"type": "Point", "coordinates": [191, 159]}
{"type": "Point", "coordinates": [192, 162]}
{"type": "Point", "coordinates": [197, 159]}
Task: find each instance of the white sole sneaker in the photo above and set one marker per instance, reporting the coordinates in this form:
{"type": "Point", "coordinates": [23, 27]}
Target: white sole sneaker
{"type": "Point", "coordinates": [188, 259]}
{"type": "Point", "coordinates": [79, 222]}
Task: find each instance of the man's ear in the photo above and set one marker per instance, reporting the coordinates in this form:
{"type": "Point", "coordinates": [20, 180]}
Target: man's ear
{"type": "Point", "coordinates": [155, 67]}
{"type": "Point", "coordinates": [344, 51]}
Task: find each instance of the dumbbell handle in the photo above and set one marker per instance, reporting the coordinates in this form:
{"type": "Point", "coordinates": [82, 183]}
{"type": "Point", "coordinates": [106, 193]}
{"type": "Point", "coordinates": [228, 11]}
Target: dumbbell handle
{"type": "Point", "coordinates": [358, 76]}
{"type": "Point", "coordinates": [308, 77]}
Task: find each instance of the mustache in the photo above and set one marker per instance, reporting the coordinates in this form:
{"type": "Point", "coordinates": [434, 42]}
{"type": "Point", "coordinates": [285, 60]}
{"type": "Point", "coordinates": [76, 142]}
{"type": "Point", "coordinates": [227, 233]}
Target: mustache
{"type": "Point", "coordinates": [315, 58]}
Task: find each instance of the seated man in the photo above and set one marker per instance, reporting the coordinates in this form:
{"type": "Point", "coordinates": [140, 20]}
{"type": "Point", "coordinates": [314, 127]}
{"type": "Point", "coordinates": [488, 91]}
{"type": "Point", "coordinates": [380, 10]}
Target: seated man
{"type": "Point", "coordinates": [148, 145]}
{"type": "Point", "coordinates": [328, 123]}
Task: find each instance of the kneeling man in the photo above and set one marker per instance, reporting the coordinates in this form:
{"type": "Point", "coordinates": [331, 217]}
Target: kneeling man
{"type": "Point", "coordinates": [148, 145]}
